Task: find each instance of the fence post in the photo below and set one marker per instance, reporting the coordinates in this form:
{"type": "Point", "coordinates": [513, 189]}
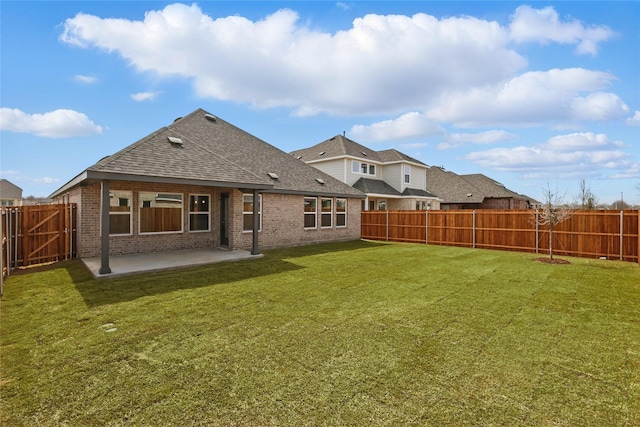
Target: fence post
{"type": "Point", "coordinates": [537, 235]}
{"type": "Point", "coordinates": [473, 229]}
{"type": "Point", "coordinates": [621, 233]}
{"type": "Point", "coordinates": [426, 227]}
{"type": "Point", "coordinates": [387, 225]}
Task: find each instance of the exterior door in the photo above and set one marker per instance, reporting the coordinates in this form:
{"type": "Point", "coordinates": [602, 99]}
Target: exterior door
{"type": "Point", "coordinates": [224, 219]}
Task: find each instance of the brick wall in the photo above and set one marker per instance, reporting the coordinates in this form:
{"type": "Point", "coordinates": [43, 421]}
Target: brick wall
{"type": "Point", "coordinates": [282, 221]}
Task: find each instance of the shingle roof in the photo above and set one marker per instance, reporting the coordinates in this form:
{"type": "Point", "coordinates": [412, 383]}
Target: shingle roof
{"type": "Point", "coordinates": [417, 193]}
{"type": "Point", "coordinates": [336, 146]}
{"type": "Point", "coordinates": [490, 187]}
{"type": "Point", "coordinates": [375, 186]}
{"type": "Point", "coordinates": [471, 188]}
{"type": "Point", "coordinates": [339, 146]}
{"type": "Point", "coordinates": [213, 152]}
{"type": "Point", "coordinates": [392, 155]}
{"type": "Point", "coordinates": [451, 187]}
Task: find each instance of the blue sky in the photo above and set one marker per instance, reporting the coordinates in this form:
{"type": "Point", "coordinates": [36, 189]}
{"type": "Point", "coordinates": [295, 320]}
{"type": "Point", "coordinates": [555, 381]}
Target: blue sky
{"type": "Point", "coordinates": [530, 94]}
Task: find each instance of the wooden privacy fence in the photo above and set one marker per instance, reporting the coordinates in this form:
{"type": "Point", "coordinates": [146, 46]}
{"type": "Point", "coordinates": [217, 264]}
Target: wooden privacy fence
{"type": "Point", "coordinates": [592, 233]}
{"type": "Point", "coordinates": [37, 234]}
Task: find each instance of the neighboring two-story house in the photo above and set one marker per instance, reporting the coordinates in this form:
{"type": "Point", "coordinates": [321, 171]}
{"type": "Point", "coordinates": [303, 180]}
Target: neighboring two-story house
{"type": "Point", "coordinates": [10, 194]}
{"type": "Point", "coordinates": [390, 179]}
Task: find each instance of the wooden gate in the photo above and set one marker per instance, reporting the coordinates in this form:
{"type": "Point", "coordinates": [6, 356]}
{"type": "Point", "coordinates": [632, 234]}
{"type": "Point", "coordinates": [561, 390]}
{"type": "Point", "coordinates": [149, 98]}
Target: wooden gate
{"type": "Point", "coordinates": [37, 234]}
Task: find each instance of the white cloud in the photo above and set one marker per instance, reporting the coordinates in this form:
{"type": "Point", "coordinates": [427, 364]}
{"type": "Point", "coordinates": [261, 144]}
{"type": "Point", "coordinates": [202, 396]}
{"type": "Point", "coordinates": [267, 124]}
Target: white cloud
{"type": "Point", "coordinates": [533, 98]}
{"type": "Point", "coordinates": [635, 120]}
{"type": "Point", "coordinates": [564, 155]}
{"type": "Point", "coordinates": [80, 78]}
{"type": "Point", "coordinates": [544, 25]}
{"type": "Point", "coordinates": [455, 140]}
{"type": "Point", "coordinates": [409, 125]}
{"type": "Point", "coordinates": [382, 64]}
{"type": "Point", "coordinates": [145, 96]}
{"type": "Point", "coordinates": [55, 124]}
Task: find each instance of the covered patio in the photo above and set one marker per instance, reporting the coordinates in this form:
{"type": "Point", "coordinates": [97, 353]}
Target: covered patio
{"type": "Point", "coordinates": [156, 261]}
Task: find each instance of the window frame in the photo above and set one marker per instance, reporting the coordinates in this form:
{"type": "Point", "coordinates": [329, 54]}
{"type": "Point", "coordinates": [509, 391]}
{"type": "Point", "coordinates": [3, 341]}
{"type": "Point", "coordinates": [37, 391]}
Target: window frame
{"type": "Point", "coordinates": [326, 214]}
{"type": "Point", "coordinates": [358, 167]}
{"type": "Point", "coordinates": [245, 213]}
{"type": "Point", "coordinates": [141, 207]}
{"type": "Point", "coordinates": [129, 212]}
{"type": "Point", "coordinates": [201, 213]}
{"type": "Point", "coordinates": [314, 213]}
{"type": "Point", "coordinates": [407, 174]}
{"type": "Point", "coordinates": [341, 213]}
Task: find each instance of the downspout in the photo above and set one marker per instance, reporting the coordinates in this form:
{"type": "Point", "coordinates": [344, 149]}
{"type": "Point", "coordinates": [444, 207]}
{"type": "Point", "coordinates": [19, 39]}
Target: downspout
{"type": "Point", "coordinates": [256, 223]}
{"type": "Point", "coordinates": [104, 230]}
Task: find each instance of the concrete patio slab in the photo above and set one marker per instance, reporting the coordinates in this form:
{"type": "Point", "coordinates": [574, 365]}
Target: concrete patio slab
{"type": "Point", "coordinates": [157, 261]}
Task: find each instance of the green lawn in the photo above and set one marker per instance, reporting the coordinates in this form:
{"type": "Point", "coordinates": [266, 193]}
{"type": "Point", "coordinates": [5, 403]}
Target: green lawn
{"type": "Point", "coordinates": [355, 333]}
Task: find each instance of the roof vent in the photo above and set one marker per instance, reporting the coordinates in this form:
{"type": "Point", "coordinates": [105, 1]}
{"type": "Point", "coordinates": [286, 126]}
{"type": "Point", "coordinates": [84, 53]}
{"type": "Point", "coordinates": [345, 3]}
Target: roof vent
{"type": "Point", "coordinates": [174, 140]}
{"type": "Point", "coordinates": [469, 194]}
{"type": "Point", "coordinates": [273, 175]}
{"type": "Point", "coordinates": [210, 117]}
{"type": "Point", "coordinates": [321, 153]}
{"type": "Point", "coordinates": [299, 157]}
{"type": "Point", "coordinates": [364, 154]}
{"type": "Point", "coordinates": [320, 180]}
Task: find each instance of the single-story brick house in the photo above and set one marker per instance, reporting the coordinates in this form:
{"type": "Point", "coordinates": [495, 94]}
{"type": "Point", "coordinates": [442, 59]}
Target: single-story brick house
{"type": "Point", "coordinates": [202, 182]}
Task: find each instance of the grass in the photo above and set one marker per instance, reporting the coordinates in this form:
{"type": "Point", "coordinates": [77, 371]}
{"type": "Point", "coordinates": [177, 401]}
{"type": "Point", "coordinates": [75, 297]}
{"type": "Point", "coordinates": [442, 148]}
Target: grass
{"type": "Point", "coordinates": [355, 333]}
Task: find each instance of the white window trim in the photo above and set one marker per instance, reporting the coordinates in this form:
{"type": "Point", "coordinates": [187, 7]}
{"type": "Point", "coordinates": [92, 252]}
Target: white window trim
{"type": "Point", "coordinates": [208, 213]}
{"type": "Point", "coordinates": [406, 173]}
{"type": "Point", "coordinates": [150, 233]}
{"type": "Point", "coordinates": [359, 168]}
{"type": "Point", "coordinates": [323, 213]}
{"type": "Point", "coordinates": [251, 213]}
{"type": "Point", "coordinates": [341, 213]}
{"type": "Point", "coordinates": [315, 214]}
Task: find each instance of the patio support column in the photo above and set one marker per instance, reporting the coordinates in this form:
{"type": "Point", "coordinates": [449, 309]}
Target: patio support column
{"type": "Point", "coordinates": [256, 222]}
{"type": "Point", "coordinates": [104, 229]}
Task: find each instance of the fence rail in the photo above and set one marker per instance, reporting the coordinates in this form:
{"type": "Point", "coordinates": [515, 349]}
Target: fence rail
{"type": "Point", "coordinates": [593, 233]}
{"type": "Point", "coordinates": [36, 234]}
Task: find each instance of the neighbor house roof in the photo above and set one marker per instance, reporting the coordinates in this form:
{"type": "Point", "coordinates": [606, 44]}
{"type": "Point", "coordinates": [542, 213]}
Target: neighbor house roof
{"type": "Point", "coordinates": [202, 149]}
{"type": "Point", "coordinates": [341, 146]}
{"type": "Point", "coordinates": [375, 186]}
{"type": "Point", "coordinates": [471, 188]}
{"type": "Point", "coordinates": [337, 146]}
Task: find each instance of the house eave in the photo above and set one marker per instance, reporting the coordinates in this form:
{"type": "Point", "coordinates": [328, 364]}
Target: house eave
{"type": "Point", "coordinates": [89, 176]}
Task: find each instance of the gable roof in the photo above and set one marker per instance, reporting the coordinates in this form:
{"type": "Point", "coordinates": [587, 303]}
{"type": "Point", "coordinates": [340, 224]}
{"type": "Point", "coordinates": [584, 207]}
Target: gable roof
{"type": "Point", "coordinates": [211, 152]}
{"type": "Point", "coordinates": [490, 187]}
{"type": "Point", "coordinates": [471, 188]}
{"type": "Point", "coordinates": [451, 187]}
{"type": "Point", "coordinates": [337, 146]}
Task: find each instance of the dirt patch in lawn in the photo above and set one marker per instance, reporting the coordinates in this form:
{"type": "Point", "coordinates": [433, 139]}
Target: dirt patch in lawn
{"type": "Point", "coordinates": [552, 261]}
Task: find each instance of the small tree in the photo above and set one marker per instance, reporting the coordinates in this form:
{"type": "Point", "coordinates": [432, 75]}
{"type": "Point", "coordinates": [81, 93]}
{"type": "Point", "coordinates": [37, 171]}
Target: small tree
{"type": "Point", "coordinates": [586, 198]}
{"type": "Point", "coordinates": [552, 212]}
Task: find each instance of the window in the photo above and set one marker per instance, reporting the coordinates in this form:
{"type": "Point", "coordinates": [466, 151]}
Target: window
{"type": "Point", "coordinates": [120, 212]}
{"type": "Point", "coordinates": [326, 216]}
{"type": "Point", "coordinates": [363, 168]}
{"type": "Point", "coordinates": [160, 213]}
{"type": "Point", "coordinates": [247, 212]}
{"type": "Point", "coordinates": [382, 205]}
{"type": "Point", "coordinates": [407, 174]}
{"type": "Point", "coordinates": [199, 213]}
{"type": "Point", "coordinates": [341, 212]}
{"type": "Point", "coordinates": [310, 212]}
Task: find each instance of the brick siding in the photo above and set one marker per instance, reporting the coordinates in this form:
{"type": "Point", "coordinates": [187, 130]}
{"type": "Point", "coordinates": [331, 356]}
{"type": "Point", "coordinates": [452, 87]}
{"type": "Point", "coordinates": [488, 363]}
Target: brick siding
{"type": "Point", "coordinates": [282, 221]}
